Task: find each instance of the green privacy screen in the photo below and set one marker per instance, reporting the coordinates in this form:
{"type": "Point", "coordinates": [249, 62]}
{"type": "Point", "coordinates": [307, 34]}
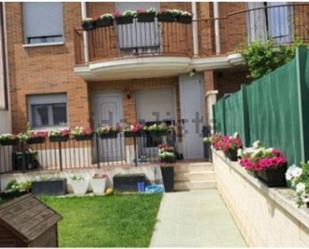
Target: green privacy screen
{"type": "Point", "coordinates": [273, 109]}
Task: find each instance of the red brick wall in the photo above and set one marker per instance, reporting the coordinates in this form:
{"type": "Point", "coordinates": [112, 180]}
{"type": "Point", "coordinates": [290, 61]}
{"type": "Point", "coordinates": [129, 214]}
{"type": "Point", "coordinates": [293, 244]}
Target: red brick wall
{"type": "Point", "coordinates": [42, 70]}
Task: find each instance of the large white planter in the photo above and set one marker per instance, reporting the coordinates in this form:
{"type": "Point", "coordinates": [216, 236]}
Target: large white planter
{"type": "Point", "coordinates": [79, 187]}
{"type": "Point", "coordinates": [98, 185]}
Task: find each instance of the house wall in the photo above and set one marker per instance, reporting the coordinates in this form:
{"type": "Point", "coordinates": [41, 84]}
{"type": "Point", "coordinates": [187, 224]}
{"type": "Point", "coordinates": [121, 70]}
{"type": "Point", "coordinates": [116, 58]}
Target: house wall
{"type": "Point", "coordinates": [44, 70]}
{"type": "Point", "coordinates": [132, 85]}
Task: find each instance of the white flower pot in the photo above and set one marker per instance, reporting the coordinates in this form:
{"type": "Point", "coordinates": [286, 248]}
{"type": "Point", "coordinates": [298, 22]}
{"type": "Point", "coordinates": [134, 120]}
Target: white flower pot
{"type": "Point", "coordinates": [98, 185]}
{"type": "Point", "coordinates": [79, 187]}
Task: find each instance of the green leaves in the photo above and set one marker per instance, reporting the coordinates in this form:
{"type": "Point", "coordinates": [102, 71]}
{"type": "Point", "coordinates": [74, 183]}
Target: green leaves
{"type": "Point", "coordinates": [263, 58]}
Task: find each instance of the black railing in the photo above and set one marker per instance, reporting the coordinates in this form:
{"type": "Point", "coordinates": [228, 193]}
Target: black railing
{"type": "Point", "coordinates": [73, 154]}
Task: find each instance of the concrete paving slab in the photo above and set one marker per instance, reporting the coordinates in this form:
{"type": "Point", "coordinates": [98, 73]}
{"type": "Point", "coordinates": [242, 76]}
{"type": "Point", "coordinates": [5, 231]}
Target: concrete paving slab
{"type": "Point", "coordinates": [195, 219]}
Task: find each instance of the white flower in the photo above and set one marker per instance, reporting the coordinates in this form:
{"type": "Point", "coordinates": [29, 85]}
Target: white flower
{"type": "Point", "coordinates": [239, 152]}
{"type": "Point", "coordinates": [300, 187]}
{"type": "Point", "coordinates": [256, 144]}
{"type": "Point", "coordinates": [293, 173]}
{"type": "Point", "coordinates": [235, 135]}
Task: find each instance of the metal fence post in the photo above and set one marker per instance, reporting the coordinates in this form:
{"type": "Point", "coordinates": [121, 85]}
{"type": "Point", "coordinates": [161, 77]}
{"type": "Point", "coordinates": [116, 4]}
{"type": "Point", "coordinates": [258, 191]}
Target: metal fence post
{"type": "Point", "coordinates": [60, 155]}
{"type": "Point", "coordinates": [97, 150]}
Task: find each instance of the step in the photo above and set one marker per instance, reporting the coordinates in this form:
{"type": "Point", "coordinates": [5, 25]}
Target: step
{"type": "Point", "coordinates": [193, 167]}
{"type": "Point", "coordinates": [194, 185]}
{"type": "Point", "coordinates": [195, 176]}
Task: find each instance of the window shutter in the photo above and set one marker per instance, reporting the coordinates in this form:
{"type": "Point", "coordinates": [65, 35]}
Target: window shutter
{"type": "Point", "coordinates": [42, 19]}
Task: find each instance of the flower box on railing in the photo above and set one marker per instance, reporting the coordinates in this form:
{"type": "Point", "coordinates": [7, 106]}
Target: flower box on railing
{"type": "Point", "coordinates": [33, 137]}
{"type": "Point", "coordinates": [156, 130]}
{"type": "Point", "coordinates": [105, 20]}
{"type": "Point", "coordinates": [185, 18]}
{"type": "Point", "coordinates": [134, 130]}
{"type": "Point", "coordinates": [146, 15]}
{"type": "Point", "coordinates": [89, 24]}
{"type": "Point", "coordinates": [8, 139]}
{"type": "Point", "coordinates": [125, 18]}
{"type": "Point", "coordinates": [59, 135]}
{"type": "Point", "coordinates": [82, 134]}
{"type": "Point", "coordinates": [166, 17]}
{"type": "Point", "coordinates": [107, 131]}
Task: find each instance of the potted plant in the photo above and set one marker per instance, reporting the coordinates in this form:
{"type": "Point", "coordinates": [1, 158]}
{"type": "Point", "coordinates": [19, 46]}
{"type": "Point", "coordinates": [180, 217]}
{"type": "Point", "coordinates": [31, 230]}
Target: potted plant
{"type": "Point", "coordinates": [88, 24]}
{"type": "Point", "coordinates": [49, 186]}
{"type": "Point", "coordinates": [98, 183]}
{"type": "Point", "coordinates": [79, 185]}
{"type": "Point", "coordinates": [125, 18]}
{"type": "Point", "coordinates": [146, 15]}
{"type": "Point", "coordinates": [156, 129]}
{"type": "Point", "coordinates": [166, 15]}
{"type": "Point", "coordinates": [61, 135]}
{"type": "Point", "coordinates": [231, 145]}
{"type": "Point", "coordinates": [105, 20]}
{"type": "Point", "coordinates": [167, 157]}
{"type": "Point", "coordinates": [16, 189]}
{"type": "Point", "coordinates": [33, 137]}
{"type": "Point", "coordinates": [82, 134]}
{"type": "Point", "coordinates": [184, 17]}
{"type": "Point", "coordinates": [298, 177]}
{"type": "Point", "coordinates": [8, 139]}
{"type": "Point", "coordinates": [215, 140]}
{"type": "Point", "coordinates": [134, 130]}
{"type": "Point", "coordinates": [268, 164]}
{"type": "Point", "coordinates": [108, 132]}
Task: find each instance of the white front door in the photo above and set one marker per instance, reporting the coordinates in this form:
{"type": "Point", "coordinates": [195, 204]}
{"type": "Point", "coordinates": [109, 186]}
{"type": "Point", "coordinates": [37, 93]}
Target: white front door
{"type": "Point", "coordinates": [108, 110]}
{"type": "Point", "coordinates": [192, 114]}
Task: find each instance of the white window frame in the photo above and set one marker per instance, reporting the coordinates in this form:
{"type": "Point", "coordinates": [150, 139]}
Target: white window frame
{"type": "Point", "coordinates": [47, 43]}
{"type": "Point", "coordinates": [47, 100]}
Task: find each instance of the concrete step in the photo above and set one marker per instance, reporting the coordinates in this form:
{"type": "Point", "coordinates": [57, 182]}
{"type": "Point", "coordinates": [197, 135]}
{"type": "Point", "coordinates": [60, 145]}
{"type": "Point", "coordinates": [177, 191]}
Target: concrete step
{"type": "Point", "coordinates": [194, 185]}
{"type": "Point", "coordinates": [195, 176]}
{"type": "Point", "coordinates": [193, 167]}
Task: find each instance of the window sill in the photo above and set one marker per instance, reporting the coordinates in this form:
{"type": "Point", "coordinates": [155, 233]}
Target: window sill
{"type": "Point", "coordinates": [50, 128]}
{"type": "Point", "coordinates": [43, 44]}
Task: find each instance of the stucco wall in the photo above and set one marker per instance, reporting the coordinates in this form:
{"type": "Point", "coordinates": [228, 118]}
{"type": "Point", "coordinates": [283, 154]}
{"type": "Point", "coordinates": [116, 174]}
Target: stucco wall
{"type": "Point", "coordinates": [267, 217]}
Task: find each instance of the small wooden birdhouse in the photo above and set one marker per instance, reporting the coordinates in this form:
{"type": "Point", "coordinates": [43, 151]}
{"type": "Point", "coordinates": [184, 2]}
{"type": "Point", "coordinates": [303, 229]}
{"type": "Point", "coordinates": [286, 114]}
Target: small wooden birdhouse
{"type": "Point", "coordinates": [27, 222]}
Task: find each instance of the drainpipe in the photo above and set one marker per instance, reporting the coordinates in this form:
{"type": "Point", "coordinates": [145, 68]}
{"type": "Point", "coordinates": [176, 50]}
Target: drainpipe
{"type": "Point", "coordinates": [85, 35]}
{"type": "Point", "coordinates": [194, 30]}
{"type": "Point", "coordinates": [217, 28]}
{"type": "Point", "coordinates": [6, 64]}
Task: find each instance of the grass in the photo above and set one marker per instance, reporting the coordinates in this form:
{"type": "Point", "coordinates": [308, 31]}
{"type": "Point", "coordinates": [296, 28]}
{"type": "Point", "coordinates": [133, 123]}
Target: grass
{"type": "Point", "coordinates": [113, 221]}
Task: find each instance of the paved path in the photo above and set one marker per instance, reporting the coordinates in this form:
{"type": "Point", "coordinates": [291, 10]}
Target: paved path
{"type": "Point", "coordinates": [195, 219]}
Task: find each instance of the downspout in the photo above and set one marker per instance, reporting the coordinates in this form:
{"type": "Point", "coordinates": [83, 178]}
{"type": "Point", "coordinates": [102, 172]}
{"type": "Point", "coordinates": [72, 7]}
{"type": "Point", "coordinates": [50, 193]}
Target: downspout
{"type": "Point", "coordinates": [85, 35]}
{"type": "Point", "coordinates": [6, 65]}
{"type": "Point", "coordinates": [194, 30]}
{"type": "Point", "coordinates": [217, 27]}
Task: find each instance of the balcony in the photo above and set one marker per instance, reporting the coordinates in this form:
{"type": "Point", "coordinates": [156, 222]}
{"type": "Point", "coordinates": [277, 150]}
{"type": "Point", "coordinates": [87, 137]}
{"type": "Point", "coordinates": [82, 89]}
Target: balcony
{"type": "Point", "coordinates": [283, 24]}
{"type": "Point", "coordinates": [139, 46]}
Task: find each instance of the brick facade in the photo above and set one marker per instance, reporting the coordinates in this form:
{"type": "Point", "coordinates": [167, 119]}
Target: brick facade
{"type": "Point", "coordinates": [49, 69]}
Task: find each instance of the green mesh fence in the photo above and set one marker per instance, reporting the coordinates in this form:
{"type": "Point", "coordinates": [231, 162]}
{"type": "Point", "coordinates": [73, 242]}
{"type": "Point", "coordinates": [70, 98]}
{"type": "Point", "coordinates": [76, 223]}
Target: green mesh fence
{"type": "Point", "coordinates": [273, 109]}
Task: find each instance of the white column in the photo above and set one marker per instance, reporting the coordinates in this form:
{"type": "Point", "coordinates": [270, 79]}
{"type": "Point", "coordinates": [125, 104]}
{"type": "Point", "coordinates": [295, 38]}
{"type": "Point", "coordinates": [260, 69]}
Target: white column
{"type": "Point", "coordinates": [194, 30]}
{"type": "Point", "coordinates": [211, 99]}
{"type": "Point", "coordinates": [217, 27]}
{"type": "Point", "coordinates": [85, 35]}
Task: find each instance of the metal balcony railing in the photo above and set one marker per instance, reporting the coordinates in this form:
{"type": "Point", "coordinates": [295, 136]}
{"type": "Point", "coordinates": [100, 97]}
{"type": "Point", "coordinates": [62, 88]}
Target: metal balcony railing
{"type": "Point", "coordinates": [283, 24]}
{"type": "Point", "coordinates": [136, 39]}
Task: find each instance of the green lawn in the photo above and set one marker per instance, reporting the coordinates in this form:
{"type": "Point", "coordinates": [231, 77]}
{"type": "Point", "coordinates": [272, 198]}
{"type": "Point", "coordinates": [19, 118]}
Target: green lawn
{"type": "Point", "coordinates": [107, 221]}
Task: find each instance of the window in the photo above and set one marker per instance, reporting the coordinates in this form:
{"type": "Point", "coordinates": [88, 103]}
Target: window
{"type": "Point", "coordinates": [271, 20]}
{"type": "Point", "coordinates": [43, 22]}
{"type": "Point", "coordinates": [48, 110]}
